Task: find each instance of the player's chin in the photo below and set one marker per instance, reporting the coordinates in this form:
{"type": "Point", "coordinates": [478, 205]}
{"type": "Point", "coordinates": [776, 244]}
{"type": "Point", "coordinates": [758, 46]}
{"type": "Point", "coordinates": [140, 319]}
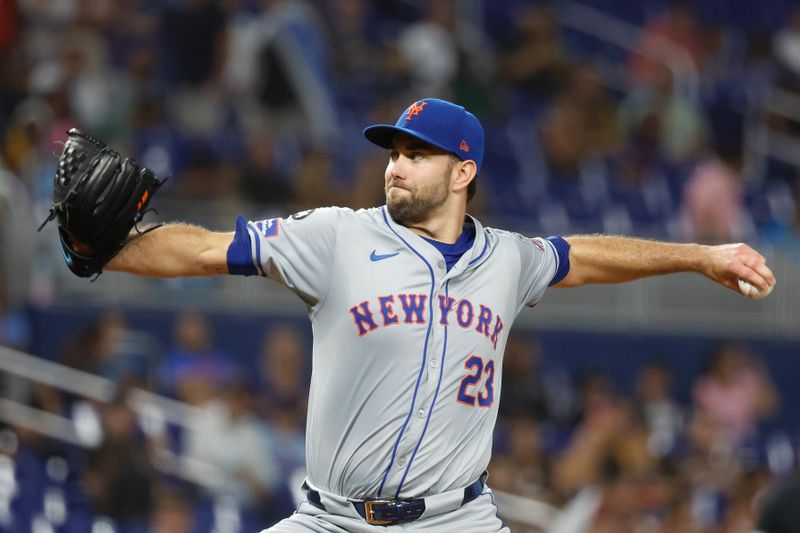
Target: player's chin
{"type": "Point", "coordinates": [400, 209]}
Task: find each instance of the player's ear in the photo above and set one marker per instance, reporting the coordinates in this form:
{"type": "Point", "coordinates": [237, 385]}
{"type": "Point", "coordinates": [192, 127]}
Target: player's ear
{"type": "Point", "coordinates": [464, 172]}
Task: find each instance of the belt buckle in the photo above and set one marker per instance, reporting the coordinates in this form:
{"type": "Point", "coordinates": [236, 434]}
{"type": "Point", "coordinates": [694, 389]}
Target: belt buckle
{"type": "Point", "coordinates": [369, 512]}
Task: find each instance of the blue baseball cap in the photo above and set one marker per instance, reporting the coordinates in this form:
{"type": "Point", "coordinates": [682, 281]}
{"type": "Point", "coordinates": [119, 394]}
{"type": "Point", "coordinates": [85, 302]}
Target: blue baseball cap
{"type": "Point", "coordinates": [438, 122]}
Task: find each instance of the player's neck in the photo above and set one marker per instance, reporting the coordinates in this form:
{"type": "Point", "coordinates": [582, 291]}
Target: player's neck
{"type": "Point", "coordinates": [444, 225]}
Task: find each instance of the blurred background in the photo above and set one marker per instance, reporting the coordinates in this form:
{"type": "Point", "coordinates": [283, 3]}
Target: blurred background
{"type": "Point", "coordinates": [668, 405]}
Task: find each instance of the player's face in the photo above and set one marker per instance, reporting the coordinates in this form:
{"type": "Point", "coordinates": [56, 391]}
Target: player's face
{"type": "Point", "coordinates": [417, 179]}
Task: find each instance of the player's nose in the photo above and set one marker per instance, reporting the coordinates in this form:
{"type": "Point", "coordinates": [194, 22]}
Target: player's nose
{"type": "Point", "coordinates": [398, 167]}
{"type": "Point", "coordinates": [395, 170]}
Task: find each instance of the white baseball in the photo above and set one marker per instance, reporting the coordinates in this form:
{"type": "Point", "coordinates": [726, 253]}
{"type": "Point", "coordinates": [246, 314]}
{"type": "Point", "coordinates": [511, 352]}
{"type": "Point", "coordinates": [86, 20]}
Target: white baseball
{"type": "Point", "coordinates": [751, 291]}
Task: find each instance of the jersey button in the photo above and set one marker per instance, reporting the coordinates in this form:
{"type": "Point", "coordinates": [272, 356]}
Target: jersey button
{"type": "Point", "coordinates": [434, 363]}
{"type": "Point", "coordinates": [401, 461]}
{"type": "Point", "coordinates": [421, 413]}
{"type": "Point", "coordinates": [440, 264]}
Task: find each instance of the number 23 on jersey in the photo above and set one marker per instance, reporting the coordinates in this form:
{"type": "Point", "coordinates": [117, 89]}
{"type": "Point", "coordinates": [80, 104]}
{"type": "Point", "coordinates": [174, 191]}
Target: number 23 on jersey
{"type": "Point", "coordinates": [470, 392]}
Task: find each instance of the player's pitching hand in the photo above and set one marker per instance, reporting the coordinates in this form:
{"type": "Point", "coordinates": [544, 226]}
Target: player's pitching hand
{"type": "Point", "coordinates": [727, 263]}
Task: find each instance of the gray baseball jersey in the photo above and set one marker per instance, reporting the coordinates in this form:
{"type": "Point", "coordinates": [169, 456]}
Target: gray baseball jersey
{"type": "Point", "coordinates": [407, 356]}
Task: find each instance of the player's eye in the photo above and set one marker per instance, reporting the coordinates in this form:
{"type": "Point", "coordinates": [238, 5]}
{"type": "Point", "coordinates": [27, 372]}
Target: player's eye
{"type": "Point", "coordinates": [416, 156]}
{"type": "Point", "coordinates": [393, 155]}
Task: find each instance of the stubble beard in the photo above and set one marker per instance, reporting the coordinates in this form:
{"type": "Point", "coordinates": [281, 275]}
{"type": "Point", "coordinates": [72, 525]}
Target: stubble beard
{"type": "Point", "coordinates": [420, 202]}
{"type": "Point", "coordinates": [416, 205]}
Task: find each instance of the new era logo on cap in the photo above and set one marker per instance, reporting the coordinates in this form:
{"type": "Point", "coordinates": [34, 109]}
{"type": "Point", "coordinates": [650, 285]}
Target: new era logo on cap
{"type": "Point", "coordinates": [438, 122]}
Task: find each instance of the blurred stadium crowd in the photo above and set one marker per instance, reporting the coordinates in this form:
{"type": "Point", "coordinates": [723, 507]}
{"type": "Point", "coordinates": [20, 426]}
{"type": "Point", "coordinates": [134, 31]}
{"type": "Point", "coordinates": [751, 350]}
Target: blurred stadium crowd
{"type": "Point", "coordinates": [262, 103]}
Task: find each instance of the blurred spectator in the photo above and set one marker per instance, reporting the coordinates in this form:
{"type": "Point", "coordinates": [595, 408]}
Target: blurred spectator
{"type": "Point", "coordinates": [430, 50]}
{"type": "Point", "coordinates": [525, 463]}
{"type": "Point", "coordinates": [156, 139]}
{"type": "Point", "coordinates": [119, 478]}
{"type": "Point", "coordinates": [528, 388]}
{"type": "Point", "coordinates": [606, 473]}
{"type": "Point", "coordinates": [27, 137]}
{"type": "Point", "coordinates": [283, 365]}
{"type": "Point", "coordinates": [661, 413]}
{"type": "Point", "coordinates": [278, 61]}
{"type": "Point", "coordinates": [584, 90]}
{"type": "Point", "coordinates": [580, 125]}
{"type": "Point", "coordinates": [713, 203]}
{"type": "Point", "coordinates": [193, 369]}
{"type": "Point", "coordinates": [356, 37]}
{"type": "Point", "coordinates": [110, 348]}
{"type": "Point", "coordinates": [580, 463]}
{"type": "Point", "coordinates": [594, 387]}
{"type": "Point", "coordinates": [735, 393]}
{"type": "Point", "coordinates": [678, 127]}
{"type": "Point", "coordinates": [262, 179]}
{"type": "Point", "coordinates": [447, 56]}
{"type": "Point", "coordinates": [676, 26]}
{"type": "Point", "coordinates": [99, 98]}
{"type": "Point", "coordinates": [534, 59]}
{"type": "Point", "coordinates": [228, 435]}
{"type": "Point", "coordinates": [283, 385]}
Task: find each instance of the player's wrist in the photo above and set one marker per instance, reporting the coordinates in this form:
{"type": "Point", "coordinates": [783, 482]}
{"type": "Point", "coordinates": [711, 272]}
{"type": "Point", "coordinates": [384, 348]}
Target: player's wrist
{"type": "Point", "coordinates": [700, 258]}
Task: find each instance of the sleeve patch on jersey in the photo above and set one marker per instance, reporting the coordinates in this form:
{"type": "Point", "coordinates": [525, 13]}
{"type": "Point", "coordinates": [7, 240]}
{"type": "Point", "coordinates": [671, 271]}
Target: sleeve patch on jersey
{"type": "Point", "coordinates": [561, 248]}
{"type": "Point", "coordinates": [268, 228]}
{"type": "Point", "coordinates": [240, 258]}
{"type": "Point", "coordinates": [537, 242]}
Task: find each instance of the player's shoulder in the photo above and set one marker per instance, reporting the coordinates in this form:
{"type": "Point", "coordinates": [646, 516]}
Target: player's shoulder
{"type": "Point", "coordinates": [326, 211]}
{"type": "Point", "coordinates": [504, 237]}
{"type": "Point", "coordinates": [336, 217]}
{"type": "Point", "coordinates": [370, 215]}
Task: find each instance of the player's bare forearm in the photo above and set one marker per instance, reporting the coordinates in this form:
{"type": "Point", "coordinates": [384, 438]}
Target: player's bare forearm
{"type": "Point", "coordinates": [175, 250]}
{"type": "Point", "coordinates": [611, 259]}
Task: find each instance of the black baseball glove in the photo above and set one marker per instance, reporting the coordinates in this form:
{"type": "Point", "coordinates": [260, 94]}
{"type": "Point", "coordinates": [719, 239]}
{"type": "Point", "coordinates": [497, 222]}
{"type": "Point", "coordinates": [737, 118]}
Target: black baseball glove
{"type": "Point", "coordinates": [98, 198]}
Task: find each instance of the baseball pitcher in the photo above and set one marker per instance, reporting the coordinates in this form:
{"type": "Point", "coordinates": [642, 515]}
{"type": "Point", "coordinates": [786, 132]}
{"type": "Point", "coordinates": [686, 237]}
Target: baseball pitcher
{"type": "Point", "coordinates": [411, 304]}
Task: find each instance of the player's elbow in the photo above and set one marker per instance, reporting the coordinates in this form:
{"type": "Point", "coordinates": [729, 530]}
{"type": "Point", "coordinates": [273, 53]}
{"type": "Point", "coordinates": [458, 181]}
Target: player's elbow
{"type": "Point", "coordinates": [574, 278]}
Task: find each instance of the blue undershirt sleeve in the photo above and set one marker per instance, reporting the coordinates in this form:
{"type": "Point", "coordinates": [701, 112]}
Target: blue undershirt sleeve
{"type": "Point", "coordinates": [240, 257]}
{"type": "Point", "coordinates": [561, 247]}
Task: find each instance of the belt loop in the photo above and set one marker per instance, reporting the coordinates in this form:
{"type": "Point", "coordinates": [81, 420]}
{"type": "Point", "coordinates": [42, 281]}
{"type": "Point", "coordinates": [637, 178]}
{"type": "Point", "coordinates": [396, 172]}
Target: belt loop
{"type": "Point", "coordinates": [313, 497]}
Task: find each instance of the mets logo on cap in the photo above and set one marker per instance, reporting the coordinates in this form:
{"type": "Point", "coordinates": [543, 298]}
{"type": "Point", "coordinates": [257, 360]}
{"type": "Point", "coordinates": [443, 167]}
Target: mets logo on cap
{"type": "Point", "coordinates": [415, 109]}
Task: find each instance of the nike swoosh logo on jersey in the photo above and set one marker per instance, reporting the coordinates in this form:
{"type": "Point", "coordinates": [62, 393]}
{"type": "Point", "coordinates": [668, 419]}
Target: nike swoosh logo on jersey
{"type": "Point", "coordinates": [374, 257]}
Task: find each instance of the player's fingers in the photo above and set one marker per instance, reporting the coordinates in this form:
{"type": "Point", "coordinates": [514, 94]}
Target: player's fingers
{"type": "Point", "coordinates": [756, 262]}
{"type": "Point", "coordinates": [759, 276]}
{"type": "Point", "coordinates": [765, 273]}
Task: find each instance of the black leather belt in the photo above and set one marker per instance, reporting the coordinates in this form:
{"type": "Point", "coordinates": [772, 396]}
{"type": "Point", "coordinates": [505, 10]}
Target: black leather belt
{"type": "Point", "coordinates": [387, 511]}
